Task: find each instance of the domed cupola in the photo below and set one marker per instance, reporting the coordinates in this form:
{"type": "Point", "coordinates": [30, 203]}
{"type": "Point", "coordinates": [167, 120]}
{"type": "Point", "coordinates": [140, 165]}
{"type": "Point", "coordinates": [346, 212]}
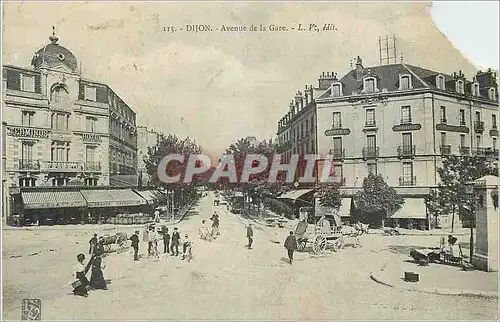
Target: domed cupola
{"type": "Point", "coordinates": [54, 55]}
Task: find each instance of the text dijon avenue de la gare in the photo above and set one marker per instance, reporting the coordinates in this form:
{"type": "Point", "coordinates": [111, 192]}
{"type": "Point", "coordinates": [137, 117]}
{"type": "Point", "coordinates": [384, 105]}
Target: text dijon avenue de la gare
{"type": "Point", "coordinates": [205, 28]}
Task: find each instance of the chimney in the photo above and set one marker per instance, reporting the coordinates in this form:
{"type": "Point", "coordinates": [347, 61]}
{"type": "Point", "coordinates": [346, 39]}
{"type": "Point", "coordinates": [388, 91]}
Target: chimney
{"type": "Point", "coordinates": [292, 108]}
{"type": "Point", "coordinates": [306, 95]}
{"type": "Point", "coordinates": [311, 96]}
{"type": "Point", "coordinates": [326, 80]}
{"type": "Point", "coordinates": [298, 101]}
{"type": "Point", "coordinates": [359, 69]}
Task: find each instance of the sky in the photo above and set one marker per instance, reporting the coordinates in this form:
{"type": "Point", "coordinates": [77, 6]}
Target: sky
{"type": "Point", "coordinates": [220, 86]}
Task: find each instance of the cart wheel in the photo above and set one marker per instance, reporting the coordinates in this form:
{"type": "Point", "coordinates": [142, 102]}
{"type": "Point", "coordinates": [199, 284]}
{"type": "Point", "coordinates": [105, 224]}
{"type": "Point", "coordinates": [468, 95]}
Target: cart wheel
{"type": "Point", "coordinates": [301, 244]}
{"type": "Point", "coordinates": [338, 244]}
{"type": "Point", "coordinates": [319, 245]}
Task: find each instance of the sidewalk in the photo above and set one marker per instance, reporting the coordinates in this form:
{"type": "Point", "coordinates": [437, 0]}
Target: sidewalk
{"type": "Point", "coordinates": [438, 278]}
{"type": "Point", "coordinates": [433, 232]}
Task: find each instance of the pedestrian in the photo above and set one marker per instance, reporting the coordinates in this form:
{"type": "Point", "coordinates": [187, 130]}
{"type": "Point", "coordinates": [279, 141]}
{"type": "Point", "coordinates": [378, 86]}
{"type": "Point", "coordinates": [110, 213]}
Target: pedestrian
{"type": "Point", "coordinates": [155, 238]}
{"type": "Point", "coordinates": [186, 244]}
{"type": "Point", "coordinates": [135, 244]}
{"type": "Point", "coordinates": [166, 240]}
{"type": "Point", "coordinates": [249, 236]}
{"type": "Point", "coordinates": [150, 240]}
{"type": "Point", "coordinates": [79, 274]}
{"type": "Point", "coordinates": [291, 245]}
{"type": "Point", "coordinates": [99, 248]}
{"type": "Point", "coordinates": [157, 216]}
{"type": "Point", "coordinates": [97, 281]}
{"type": "Point", "coordinates": [93, 244]}
{"type": "Point", "coordinates": [175, 242]}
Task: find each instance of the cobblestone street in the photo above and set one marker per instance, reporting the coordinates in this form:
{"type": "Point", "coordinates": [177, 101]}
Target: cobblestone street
{"type": "Point", "coordinates": [224, 280]}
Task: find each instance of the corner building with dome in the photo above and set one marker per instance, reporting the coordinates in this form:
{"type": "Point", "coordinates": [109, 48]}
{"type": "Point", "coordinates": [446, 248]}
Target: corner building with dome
{"type": "Point", "coordinates": [63, 134]}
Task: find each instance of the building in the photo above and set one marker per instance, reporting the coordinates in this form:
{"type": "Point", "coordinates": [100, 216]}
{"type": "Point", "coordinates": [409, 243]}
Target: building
{"type": "Point", "coordinates": [146, 138]}
{"type": "Point", "coordinates": [398, 121]}
{"type": "Point", "coordinates": [63, 129]}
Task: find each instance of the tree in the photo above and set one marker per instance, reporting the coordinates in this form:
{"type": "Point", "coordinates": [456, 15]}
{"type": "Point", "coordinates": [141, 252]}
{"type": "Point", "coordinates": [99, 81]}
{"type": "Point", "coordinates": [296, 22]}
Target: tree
{"type": "Point", "coordinates": [435, 205]}
{"type": "Point", "coordinates": [456, 172]}
{"type": "Point", "coordinates": [329, 195]}
{"type": "Point", "coordinates": [377, 197]}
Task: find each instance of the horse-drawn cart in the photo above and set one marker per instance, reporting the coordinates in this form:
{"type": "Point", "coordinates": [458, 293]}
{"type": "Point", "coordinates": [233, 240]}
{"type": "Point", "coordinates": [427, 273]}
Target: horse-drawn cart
{"type": "Point", "coordinates": [119, 239]}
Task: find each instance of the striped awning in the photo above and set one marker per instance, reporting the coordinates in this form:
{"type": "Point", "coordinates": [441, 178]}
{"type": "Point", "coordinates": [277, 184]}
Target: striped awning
{"type": "Point", "coordinates": [52, 199]}
{"type": "Point", "coordinates": [148, 195]}
{"type": "Point", "coordinates": [112, 198]}
{"type": "Point", "coordinates": [413, 208]}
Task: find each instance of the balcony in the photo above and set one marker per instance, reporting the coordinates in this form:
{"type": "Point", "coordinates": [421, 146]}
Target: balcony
{"type": "Point", "coordinates": [61, 166]}
{"type": "Point", "coordinates": [464, 150]}
{"type": "Point", "coordinates": [407, 181]}
{"type": "Point", "coordinates": [92, 166]}
{"type": "Point", "coordinates": [406, 151]}
{"type": "Point", "coordinates": [445, 149]}
{"type": "Point", "coordinates": [338, 154]}
{"type": "Point", "coordinates": [27, 132]}
{"type": "Point", "coordinates": [478, 126]}
{"type": "Point", "coordinates": [336, 125]}
{"type": "Point", "coordinates": [91, 137]}
{"type": "Point", "coordinates": [491, 154]}
{"type": "Point", "coordinates": [29, 165]}
{"type": "Point", "coordinates": [480, 152]}
{"type": "Point", "coordinates": [370, 152]}
{"type": "Point", "coordinates": [371, 123]}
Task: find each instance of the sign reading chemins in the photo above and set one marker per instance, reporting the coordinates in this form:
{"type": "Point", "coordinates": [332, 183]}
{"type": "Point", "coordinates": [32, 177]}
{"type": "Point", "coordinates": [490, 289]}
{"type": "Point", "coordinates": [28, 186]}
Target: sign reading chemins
{"type": "Point", "coordinates": [333, 132]}
{"type": "Point", "coordinates": [406, 127]}
{"type": "Point", "coordinates": [452, 128]}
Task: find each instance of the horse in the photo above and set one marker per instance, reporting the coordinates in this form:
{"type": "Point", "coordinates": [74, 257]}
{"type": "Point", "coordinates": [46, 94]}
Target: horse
{"type": "Point", "coordinates": [354, 231]}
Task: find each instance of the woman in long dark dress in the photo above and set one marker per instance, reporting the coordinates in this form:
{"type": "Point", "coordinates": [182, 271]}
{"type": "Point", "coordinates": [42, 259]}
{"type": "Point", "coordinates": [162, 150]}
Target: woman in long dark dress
{"type": "Point", "coordinates": [97, 281]}
{"type": "Point", "coordinates": [79, 272]}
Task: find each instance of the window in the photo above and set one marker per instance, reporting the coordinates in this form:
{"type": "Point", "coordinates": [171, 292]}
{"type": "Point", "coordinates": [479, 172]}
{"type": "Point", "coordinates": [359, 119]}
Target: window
{"type": "Point", "coordinates": [371, 141]}
{"type": "Point", "coordinates": [443, 138]}
{"type": "Point", "coordinates": [27, 118]}
{"type": "Point", "coordinates": [494, 143]}
{"type": "Point", "coordinates": [336, 90]}
{"type": "Point", "coordinates": [90, 154]}
{"type": "Point", "coordinates": [443, 114]}
{"type": "Point", "coordinates": [407, 141]}
{"type": "Point", "coordinates": [491, 94]}
{"type": "Point", "coordinates": [313, 148]}
{"type": "Point", "coordinates": [337, 146]}
{"type": "Point", "coordinates": [59, 182]}
{"type": "Point", "coordinates": [405, 114]}
{"type": "Point", "coordinates": [307, 147]}
{"type": "Point", "coordinates": [404, 82]}
{"type": "Point", "coordinates": [440, 82]}
{"type": "Point", "coordinates": [27, 83]}
{"type": "Point", "coordinates": [370, 116]}
{"type": "Point", "coordinates": [407, 171]}
{"type": "Point", "coordinates": [91, 124]}
{"type": "Point", "coordinates": [312, 124]}
{"type": "Point", "coordinates": [478, 116]}
{"type": "Point", "coordinates": [462, 140]}
{"type": "Point", "coordinates": [372, 168]}
{"type": "Point", "coordinates": [478, 141]}
{"type": "Point", "coordinates": [59, 151]}
{"type": "Point", "coordinates": [90, 181]}
{"type": "Point", "coordinates": [494, 121]}
{"type": "Point", "coordinates": [462, 117]}
{"type": "Point", "coordinates": [59, 121]}
{"type": "Point", "coordinates": [90, 93]}
{"type": "Point", "coordinates": [59, 94]}
{"type": "Point", "coordinates": [27, 151]}
{"type": "Point", "coordinates": [460, 87]}
{"type": "Point", "coordinates": [475, 89]}
{"type": "Point", "coordinates": [337, 171]}
{"type": "Point", "coordinates": [27, 182]}
{"type": "Point", "coordinates": [369, 86]}
{"type": "Point", "coordinates": [337, 121]}
{"type": "Point", "coordinates": [301, 130]}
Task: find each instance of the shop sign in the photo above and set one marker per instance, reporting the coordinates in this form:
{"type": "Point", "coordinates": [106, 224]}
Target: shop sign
{"type": "Point", "coordinates": [333, 132]}
{"type": "Point", "coordinates": [406, 127]}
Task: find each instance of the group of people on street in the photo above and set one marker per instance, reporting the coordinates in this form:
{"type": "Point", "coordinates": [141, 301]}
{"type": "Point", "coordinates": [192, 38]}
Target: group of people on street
{"type": "Point", "coordinates": [80, 284]}
{"type": "Point", "coordinates": [207, 233]}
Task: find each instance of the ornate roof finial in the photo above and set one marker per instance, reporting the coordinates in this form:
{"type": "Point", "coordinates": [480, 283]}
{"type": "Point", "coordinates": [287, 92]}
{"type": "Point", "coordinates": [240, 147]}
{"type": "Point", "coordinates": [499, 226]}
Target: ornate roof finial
{"type": "Point", "coordinates": [53, 39]}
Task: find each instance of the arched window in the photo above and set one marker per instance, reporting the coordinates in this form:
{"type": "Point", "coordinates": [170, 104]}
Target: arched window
{"type": "Point", "coordinates": [491, 94]}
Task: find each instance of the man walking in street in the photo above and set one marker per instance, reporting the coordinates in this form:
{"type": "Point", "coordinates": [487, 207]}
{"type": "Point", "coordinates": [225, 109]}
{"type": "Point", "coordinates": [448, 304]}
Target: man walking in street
{"type": "Point", "coordinates": [93, 244]}
{"type": "Point", "coordinates": [175, 242]}
{"type": "Point", "coordinates": [291, 245]}
{"type": "Point", "coordinates": [166, 240]}
{"type": "Point", "coordinates": [135, 244]}
{"type": "Point", "coordinates": [250, 236]}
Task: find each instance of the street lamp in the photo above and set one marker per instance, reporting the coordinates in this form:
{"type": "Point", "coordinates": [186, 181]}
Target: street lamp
{"type": "Point", "coordinates": [469, 190]}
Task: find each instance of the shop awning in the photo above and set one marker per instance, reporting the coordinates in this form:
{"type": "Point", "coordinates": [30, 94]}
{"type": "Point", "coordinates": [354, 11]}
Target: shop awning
{"type": "Point", "coordinates": [345, 208]}
{"type": "Point", "coordinates": [112, 198]}
{"type": "Point", "coordinates": [413, 208]}
{"type": "Point", "coordinates": [52, 199]}
{"type": "Point", "coordinates": [148, 195]}
{"type": "Point", "coordinates": [295, 194]}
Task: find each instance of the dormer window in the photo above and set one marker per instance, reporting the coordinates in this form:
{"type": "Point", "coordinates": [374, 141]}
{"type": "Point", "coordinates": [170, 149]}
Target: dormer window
{"type": "Point", "coordinates": [369, 85]}
{"type": "Point", "coordinates": [459, 87]}
{"type": "Point", "coordinates": [90, 93]}
{"type": "Point", "coordinates": [440, 82]}
{"type": "Point", "coordinates": [475, 89]}
{"type": "Point", "coordinates": [491, 94]}
{"type": "Point", "coordinates": [27, 83]}
{"type": "Point", "coordinates": [404, 82]}
{"type": "Point", "coordinates": [336, 90]}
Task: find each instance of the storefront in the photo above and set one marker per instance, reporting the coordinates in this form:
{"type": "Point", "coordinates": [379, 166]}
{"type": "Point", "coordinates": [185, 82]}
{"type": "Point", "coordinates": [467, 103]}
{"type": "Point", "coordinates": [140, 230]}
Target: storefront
{"type": "Point", "coordinates": [51, 207]}
{"type": "Point", "coordinates": [103, 204]}
{"type": "Point", "coordinates": [412, 215]}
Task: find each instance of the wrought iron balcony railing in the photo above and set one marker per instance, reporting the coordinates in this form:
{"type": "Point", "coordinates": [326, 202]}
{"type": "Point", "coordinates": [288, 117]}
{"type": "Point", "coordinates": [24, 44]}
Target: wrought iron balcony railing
{"type": "Point", "coordinates": [406, 151]}
{"type": "Point", "coordinates": [62, 166]}
{"type": "Point", "coordinates": [370, 152]}
{"type": "Point", "coordinates": [464, 150]}
{"type": "Point", "coordinates": [337, 153]}
{"type": "Point", "coordinates": [26, 164]}
{"type": "Point", "coordinates": [370, 123]}
{"type": "Point", "coordinates": [445, 149]}
{"type": "Point", "coordinates": [480, 152]}
{"type": "Point", "coordinates": [479, 126]}
{"type": "Point", "coordinates": [92, 166]}
{"type": "Point", "coordinates": [407, 181]}
{"type": "Point", "coordinates": [406, 120]}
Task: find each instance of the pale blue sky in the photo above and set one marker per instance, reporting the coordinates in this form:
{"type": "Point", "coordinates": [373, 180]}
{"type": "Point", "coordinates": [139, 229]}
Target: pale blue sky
{"type": "Point", "coordinates": [472, 27]}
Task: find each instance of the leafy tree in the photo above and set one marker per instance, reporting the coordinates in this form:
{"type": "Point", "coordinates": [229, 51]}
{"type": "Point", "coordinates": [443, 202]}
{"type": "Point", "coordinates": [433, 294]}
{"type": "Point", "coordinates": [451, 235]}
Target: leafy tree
{"type": "Point", "coordinates": [377, 196]}
{"type": "Point", "coordinates": [329, 195]}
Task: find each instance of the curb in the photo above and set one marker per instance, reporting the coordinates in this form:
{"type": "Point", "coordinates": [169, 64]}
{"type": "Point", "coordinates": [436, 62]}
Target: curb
{"type": "Point", "coordinates": [436, 290]}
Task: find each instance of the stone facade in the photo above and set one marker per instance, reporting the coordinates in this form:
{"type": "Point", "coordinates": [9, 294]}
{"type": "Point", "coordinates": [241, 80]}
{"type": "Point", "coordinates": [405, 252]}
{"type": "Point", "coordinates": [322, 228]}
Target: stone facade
{"type": "Point", "coordinates": [63, 129]}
